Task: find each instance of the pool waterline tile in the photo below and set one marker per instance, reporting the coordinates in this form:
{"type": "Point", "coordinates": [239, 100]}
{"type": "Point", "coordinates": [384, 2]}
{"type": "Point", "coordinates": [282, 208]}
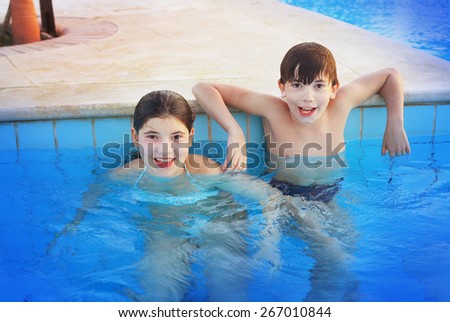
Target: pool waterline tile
{"type": "Point", "coordinates": [419, 120]}
{"type": "Point", "coordinates": [363, 123]}
{"type": "Point", "coordinates": [373, 122]}
{"type": "Point", "coordinates": [36, 135]}
{"type": "Point", "coordinates": [112, 130]}
{"type": "Point", "coordinates": [352, 129]}
{"type": "Point", "coordinates": [256, 129]}
{"type": "Point", "coordinates": [219, 134]}
{"type": "Point", "coordinates": [8, 136]}
{"type": "Point", "coordinates": [74, 133]}
{"type": "Point", "coordinates": [442, 119]}
{"type": "Point", "coordinates": [201, 128]}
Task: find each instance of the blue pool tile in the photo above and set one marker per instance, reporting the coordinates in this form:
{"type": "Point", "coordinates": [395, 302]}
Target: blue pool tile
{"type": "Point", "coordinates": [36, 135]}
{"type": "Point", "coordinates": [201, 127]}
{"type": "Point", "coordinates": [419, 120]}
{"type": "Point", "coordinates": [113, 130]}
{"type": "Point", "coordinates": [256, 129]}
{"type": "Point", "coordinates": [374, 122]}
{"type": "Point", "coordinates": [219, 134]}
{"type": "Point", "coordinates": [442, 153]}
{"type": "Point", "coordinates": [74, 133]}
{"type": "Point", "coordinates": [8, 136]}
{"type": "Point", "coordinates": [421, 148]}
{"type": "Point", "coordinates": [353, 126]}
{"type": "Point", "coordinates": [443, 119]}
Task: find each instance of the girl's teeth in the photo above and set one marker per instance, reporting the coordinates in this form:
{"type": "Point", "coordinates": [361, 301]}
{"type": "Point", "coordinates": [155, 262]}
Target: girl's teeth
{"type": "Point", "coordinates": [164, 163]}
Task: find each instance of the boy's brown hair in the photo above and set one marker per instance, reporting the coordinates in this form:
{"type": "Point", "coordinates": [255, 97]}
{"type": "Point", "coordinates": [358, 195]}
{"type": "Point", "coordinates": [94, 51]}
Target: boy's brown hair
{"type": "Point", "coordinates": [307, 61]}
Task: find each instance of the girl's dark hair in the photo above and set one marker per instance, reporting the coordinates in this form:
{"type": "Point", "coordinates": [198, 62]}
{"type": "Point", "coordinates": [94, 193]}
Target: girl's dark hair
{"type": "Point", "coordinates": [307, 61]}
{"type": "Point", "coordinates": [163, 103]}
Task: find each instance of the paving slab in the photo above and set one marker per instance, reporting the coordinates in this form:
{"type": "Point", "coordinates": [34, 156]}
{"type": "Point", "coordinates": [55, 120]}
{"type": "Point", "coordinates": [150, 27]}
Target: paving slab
{"type": "Point", "coordinates": [112, 52]}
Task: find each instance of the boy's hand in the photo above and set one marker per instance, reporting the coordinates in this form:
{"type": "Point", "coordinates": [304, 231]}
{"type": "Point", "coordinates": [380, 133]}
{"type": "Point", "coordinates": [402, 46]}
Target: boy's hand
{"type": "Point", "coordinates": [236, 159]}
{"type": "Point", "coordinates": [395, 141]}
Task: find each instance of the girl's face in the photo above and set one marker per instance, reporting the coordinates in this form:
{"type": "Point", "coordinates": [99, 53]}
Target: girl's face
{"type": "Point", "coordinates": [163, 145]}
{"type": "Point", "coordinates": [307, 103]}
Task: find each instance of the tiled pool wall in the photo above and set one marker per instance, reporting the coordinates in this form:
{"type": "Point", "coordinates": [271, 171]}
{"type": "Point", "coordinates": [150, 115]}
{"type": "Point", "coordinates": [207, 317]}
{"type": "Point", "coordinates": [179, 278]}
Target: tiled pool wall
{"type": "Point", "coordinates": [363, 123]}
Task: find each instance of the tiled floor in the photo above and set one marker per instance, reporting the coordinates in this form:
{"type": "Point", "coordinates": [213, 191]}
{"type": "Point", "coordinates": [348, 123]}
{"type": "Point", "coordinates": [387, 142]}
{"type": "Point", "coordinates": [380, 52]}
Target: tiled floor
{"type": "Point", "coordinates": [119, 50]}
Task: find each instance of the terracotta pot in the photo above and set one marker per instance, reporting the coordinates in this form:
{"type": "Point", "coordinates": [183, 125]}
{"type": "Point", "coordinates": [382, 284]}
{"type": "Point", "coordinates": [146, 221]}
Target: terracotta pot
{"type": "Point", "coordinates": [25, 25]}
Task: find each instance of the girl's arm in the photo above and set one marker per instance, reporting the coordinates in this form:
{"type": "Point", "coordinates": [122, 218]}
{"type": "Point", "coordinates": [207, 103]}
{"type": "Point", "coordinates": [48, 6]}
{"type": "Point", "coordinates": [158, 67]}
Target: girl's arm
{"type": "Point", "coordinates": [90, 200]}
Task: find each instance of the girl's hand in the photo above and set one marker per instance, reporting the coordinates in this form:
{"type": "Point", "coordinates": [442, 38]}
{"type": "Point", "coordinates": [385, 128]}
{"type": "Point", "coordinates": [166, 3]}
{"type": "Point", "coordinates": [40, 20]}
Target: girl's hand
{"type": "Point", "coordinates": [236, 159]}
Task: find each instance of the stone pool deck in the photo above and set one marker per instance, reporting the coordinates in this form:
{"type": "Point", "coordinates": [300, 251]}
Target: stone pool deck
{"type": "Point", "coordinates": [113, 52]}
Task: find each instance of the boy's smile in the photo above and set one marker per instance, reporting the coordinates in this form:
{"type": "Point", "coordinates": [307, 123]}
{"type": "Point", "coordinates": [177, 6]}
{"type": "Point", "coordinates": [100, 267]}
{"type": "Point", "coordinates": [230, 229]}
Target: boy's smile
{"type": "Point", "coordinates": [306, 111]}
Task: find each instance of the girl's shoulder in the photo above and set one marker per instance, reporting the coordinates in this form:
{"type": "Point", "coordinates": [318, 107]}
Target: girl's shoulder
{"type": "Point", "coordinates": [134, 166]}
{"type": "Point", "coordinates": [199, 164]}
{"type": "Point", "coordinates": [137, 163]}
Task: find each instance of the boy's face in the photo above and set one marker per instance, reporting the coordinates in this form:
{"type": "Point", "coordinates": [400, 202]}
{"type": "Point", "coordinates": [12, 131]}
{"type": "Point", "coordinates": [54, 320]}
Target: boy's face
{"type": "Point", "coordinates": [164, 145]}
{"type": "Point", "coordinates": [307, 103]}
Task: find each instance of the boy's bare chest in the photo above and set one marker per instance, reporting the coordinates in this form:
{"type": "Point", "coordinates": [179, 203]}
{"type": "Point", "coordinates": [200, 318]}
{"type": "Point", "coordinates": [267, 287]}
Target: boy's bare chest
{"type": "Point", "coordinates": [306, 141]}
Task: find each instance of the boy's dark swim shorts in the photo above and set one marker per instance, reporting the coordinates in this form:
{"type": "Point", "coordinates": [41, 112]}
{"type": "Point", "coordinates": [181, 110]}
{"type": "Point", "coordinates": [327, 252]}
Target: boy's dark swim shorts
{"type": "Point", "coordinates": [319, 192]}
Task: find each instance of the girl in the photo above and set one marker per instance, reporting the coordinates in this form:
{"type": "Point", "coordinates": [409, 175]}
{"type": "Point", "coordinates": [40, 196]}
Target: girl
{"type": "Point", "coordinates": [163, 131]}
{"type": "Point", "coordinates": [177, 184]}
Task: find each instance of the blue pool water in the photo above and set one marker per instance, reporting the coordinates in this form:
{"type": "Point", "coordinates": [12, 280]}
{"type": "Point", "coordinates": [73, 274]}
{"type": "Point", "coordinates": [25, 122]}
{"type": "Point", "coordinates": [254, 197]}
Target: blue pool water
{"type": "Point", "coordinates": [391, 220]}
{"type": "Point", "coordinates": [422, 24]}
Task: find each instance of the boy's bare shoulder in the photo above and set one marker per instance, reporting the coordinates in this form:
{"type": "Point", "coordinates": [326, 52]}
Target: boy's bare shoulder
{"type": "Point", "coordinates": [272, 106]}
{"type": "Point", "coordinates": [271, 100]}
{"type": "Point", "coordinates": [254, 102]}
{"type": "Point", "coordinates": [199, 164]}
{"type": "Point", "coordinates": [342, 102]}
{"type": "Point", "coordinates": [277, 110]}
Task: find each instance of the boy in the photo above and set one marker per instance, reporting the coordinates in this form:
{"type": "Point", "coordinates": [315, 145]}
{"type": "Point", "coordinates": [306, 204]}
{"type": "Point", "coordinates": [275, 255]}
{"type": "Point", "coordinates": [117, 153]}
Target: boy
{"type": "Point", "coordinates": [309, 119]}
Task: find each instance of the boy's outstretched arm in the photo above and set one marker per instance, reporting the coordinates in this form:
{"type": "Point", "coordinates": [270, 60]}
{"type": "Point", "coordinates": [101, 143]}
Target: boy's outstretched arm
{"type": "Point", "coordinates": [395, 141]}
{"type": "Point", "coordinates": [211, 99]}
{"type": "Point", "coordinates": [388, 84]}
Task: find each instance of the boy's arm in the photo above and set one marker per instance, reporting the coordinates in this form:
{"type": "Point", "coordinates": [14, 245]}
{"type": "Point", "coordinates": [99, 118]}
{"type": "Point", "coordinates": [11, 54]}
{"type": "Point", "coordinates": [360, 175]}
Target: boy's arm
{"type": "Point", "coordinates": [388, 84]}
{"type": "Point", "coordinates": [214, 99]}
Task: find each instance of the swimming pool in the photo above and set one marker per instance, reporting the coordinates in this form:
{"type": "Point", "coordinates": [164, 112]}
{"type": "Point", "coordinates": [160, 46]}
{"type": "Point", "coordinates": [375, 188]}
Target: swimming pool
{"type": "Point", "coordinates": [420, 24]}
{"type": "Point", "coordinates": [48, 165]}
{"type": "Point", "coordinates": [391, 220]}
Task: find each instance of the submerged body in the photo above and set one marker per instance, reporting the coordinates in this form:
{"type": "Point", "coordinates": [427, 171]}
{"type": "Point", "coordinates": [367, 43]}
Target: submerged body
{"type": "Point", "coordinates": [188, 208]}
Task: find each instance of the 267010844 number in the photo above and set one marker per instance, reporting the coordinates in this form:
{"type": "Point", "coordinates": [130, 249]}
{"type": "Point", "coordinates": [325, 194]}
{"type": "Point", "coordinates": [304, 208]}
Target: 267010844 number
{"type": "Point", "coordinates": [295, 312]}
